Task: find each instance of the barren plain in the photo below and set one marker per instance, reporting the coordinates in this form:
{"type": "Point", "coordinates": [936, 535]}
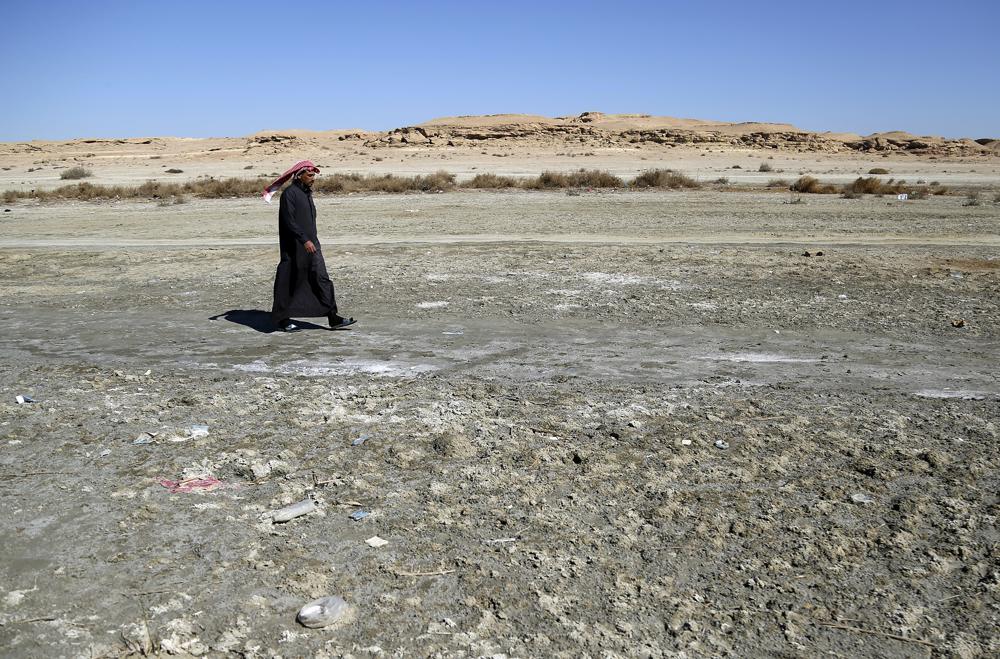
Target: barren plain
{"type": "Point", "coordinates": [588, 423]}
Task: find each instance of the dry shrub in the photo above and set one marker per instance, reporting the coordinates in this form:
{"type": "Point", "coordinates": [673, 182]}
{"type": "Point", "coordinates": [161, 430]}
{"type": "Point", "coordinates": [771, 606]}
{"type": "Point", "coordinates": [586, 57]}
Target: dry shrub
{"type": "Point", "coordinates": [663, 178]}
{"type": "Point", "coordinates": [778, 183]}
{"type": "Point", "coordinates": [339, 183]}
{"type": "Point", "coordinates": [765, 167]}
{"type": "Point", "coordinates": [878, 170]}
{"type": "Point", "coordinates": [74, 173]}
{"type": "Point", "coordinates": [439, 180]}
{"type": "Point", "coordinates": [174, 170]}
{"type": "Point", "coordinates": [810, 185]}
{"type": "Point", "coordinates": [874, 185]}
{"type": "Point", "coordinates": [584, 178]}
{"type": "Point", "coordinates": [491, 182]}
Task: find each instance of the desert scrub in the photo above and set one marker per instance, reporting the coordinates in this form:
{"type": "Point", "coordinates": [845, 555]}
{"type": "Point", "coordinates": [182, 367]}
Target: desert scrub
{"type": "Point", "coordinates": [584, 178]}
{"type": "Point", "coordinates": [878, 170]}
{"type": "Point", "coordinates": [811, 185]}
{"type": "Point", "coordinates": [874, 185]}
{"type": "Point", "coordinates": [74, 173]}
{"type": "Point", "coordinates": [491, 182]}
{"type": "Point", "coordinates": [765, 167]}
{"type": "Point", "coordinates": [663, 178]}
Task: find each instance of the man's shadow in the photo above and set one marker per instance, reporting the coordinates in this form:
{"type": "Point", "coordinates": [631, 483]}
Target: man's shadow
{"type": "Point", "coordinates": [260, 321]}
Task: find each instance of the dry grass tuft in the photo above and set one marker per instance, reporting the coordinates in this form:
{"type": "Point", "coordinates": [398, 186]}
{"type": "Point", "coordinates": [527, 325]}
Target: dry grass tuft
{"type": "Point", "coordinates": [972, 198]}
{"type": "Point", "coordinates": [810, 185]}
{"type": "Point", "coordinates": [74, 173]}
{"type": "Point", "coordinates": [663, 178]}
{"type": "Point", "coordinates": [584, 178]}
{"type": "Point", "coordinates": [874, 185]}
{"type": "Point", "coordinates": [491, 182]}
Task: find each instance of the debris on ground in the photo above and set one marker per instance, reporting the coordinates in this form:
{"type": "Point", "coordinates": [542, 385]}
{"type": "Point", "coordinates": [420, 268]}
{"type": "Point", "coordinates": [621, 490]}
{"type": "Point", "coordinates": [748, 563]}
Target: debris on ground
{"type": "Point", "coordinates": [322, 612]}
{"type": "Point", "coordinates": [202, 484]}
{"type": "Point", "coordinates": [288, 513]}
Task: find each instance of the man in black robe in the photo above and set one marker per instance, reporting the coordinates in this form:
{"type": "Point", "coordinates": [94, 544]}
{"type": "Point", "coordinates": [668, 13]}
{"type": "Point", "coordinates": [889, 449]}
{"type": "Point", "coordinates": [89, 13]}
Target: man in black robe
{"type": "Point", "coordinates": [301, 284]}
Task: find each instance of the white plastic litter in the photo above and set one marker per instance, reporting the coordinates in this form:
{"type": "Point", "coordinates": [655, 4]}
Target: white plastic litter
{"type": "Point", "coordinates": [299, 509]}
{"type": "Point", "coordinates": [322, 612]}
{"type": "Point", "coordinates": [376, 542]}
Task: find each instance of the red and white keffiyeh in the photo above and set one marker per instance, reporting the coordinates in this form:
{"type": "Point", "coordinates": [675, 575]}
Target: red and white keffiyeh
{"type": "Point", "coordinates": [281, 180]}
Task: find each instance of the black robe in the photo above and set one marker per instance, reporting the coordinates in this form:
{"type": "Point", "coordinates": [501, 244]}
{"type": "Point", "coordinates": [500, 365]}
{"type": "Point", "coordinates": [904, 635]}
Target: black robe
{"type": "Point", "coordinates": [301, 284]}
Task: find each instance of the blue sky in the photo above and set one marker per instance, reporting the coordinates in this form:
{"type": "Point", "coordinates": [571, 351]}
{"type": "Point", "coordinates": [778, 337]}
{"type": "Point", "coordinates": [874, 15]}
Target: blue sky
{"type": "Point", "coordinates": [143, 68]}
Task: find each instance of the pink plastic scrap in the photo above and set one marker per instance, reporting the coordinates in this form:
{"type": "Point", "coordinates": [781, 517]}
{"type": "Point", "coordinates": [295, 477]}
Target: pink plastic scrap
{"type": "Point", "coordinates": [206, 484]}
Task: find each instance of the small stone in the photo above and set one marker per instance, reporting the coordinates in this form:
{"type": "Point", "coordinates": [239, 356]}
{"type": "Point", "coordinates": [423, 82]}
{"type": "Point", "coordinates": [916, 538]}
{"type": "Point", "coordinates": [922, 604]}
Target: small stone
{"type": "Point", "coordinates": [722, 444]}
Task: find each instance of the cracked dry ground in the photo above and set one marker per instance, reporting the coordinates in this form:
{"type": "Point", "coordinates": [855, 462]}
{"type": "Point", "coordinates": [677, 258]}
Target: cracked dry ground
{"type": "Point", "coordinates": [586, 442]}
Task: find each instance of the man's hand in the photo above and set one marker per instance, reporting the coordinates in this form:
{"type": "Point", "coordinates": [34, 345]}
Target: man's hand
{"type": "Point", "coordinates": [310, 248]}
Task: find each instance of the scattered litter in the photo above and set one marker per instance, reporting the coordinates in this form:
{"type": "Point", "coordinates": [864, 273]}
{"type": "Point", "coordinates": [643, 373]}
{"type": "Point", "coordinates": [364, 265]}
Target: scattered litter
{"type": "Point", "coordinates": [957, 275]}
{"type": "Point", "coordinates": [295, 510]}
{"type": "Point", "coordinates": [145, 438]}
{"type": "Point", "coordinates": [459, 333]}
{"type": "Point", "coordinates": [376, 542]}
{"type": "Point", "coordinates": [806, 254]}
{"type": "Point", "coordinates": [721, 443]}
{"type": "Point", "coordinates": [359, 515]}
{"type": "Point", "coordinates": [21, 400]}
{"type": "Point", "coordinates": [819, 253]}
{"type": "Point", "coordinates": [842, 296]}
{"type": "Point", "coordinates": [958, 322]}
{"type": "Point", "coordinates": [685, 442]}
{"type": "Point", "coordinates": [105, 453]}
{"type": "Point", "coordinates": [360, 440]}
{"type": "Point", "coordinates": [198, 430]}
{"type": "Point", "coordinates": [206, 484]}
{"type": "Point", "coordinates": [862, 499]}
{"type": "Point", "coordinates": [322, 612]}
{"type": "Point", "coordinates": [449, 622]}
{"type": "Point", "coordinates": [501, 541]}
{"type": "Point", "coordinates": [903, 197]}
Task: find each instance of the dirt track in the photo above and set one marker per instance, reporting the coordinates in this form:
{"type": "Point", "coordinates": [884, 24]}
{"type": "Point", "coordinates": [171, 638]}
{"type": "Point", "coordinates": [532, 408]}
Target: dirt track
{"type": "Point", "coordinates": [542, 380]}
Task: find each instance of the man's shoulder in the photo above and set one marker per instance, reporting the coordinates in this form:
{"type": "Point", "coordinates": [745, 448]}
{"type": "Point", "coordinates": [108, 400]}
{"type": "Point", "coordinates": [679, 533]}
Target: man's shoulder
{"type": "Point", "coordinates": [292, 191]}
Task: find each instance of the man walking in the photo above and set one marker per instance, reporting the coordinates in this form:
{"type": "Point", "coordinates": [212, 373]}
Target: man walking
{"type": "Point", "coordinates": [301, 284]}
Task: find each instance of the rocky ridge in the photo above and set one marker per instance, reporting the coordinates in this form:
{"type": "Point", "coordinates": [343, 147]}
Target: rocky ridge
{"type": "Point", "coordinates": [596, 130]}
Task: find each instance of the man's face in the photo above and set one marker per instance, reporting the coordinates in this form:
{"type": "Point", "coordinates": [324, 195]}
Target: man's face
{"type": "Point", "coordinates": [307, 178]}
